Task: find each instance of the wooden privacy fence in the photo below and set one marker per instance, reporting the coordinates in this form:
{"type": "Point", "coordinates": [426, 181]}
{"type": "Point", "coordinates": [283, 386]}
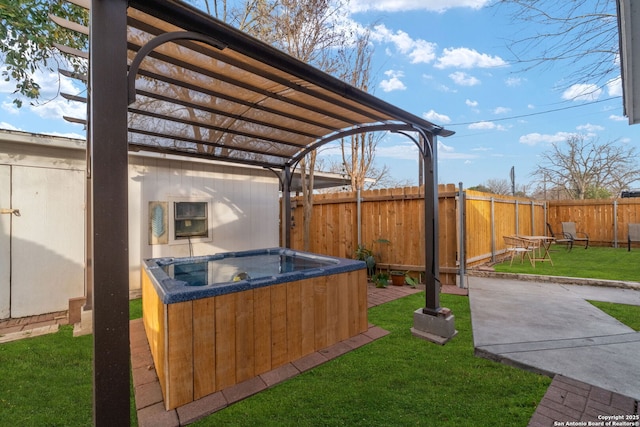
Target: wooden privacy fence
{"type": "Point", "coordinates": [397, 214]}
{"type": "Point", "coordinates": [605, 221]}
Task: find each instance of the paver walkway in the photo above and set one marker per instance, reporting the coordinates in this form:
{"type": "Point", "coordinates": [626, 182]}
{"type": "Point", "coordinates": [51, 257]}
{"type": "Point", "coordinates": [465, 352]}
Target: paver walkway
{"type": "Point", "coordinates": [569, 402]}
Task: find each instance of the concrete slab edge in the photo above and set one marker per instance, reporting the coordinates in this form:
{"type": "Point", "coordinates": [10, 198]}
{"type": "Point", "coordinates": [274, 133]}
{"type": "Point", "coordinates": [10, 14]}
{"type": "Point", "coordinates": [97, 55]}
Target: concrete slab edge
{"type": "Point", "coordinates": [480, 352]}
{"type": "Point", "coordinates": [556, 279]}
{"type": "Point", "coordinates": [28, 333]}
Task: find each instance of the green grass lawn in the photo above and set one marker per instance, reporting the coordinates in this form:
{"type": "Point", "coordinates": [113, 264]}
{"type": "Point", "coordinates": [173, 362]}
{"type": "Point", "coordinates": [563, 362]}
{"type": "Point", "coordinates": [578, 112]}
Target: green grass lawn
{"type": "Point", "coordinates": [625, 313]}
{"type": "Point", "coordinates": [397, 380]}
{"type": "Point", "coordinates": [593, 263]}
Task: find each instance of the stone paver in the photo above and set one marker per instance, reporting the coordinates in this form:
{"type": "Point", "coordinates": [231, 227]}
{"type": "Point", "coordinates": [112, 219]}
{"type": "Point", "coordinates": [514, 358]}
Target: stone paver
{"type": "Point", "coordinates": [569, 402]}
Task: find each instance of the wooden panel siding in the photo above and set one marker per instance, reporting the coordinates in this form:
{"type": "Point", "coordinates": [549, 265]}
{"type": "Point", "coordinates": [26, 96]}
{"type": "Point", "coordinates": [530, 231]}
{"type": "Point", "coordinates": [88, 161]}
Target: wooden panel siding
{"type": "Point", "coordinates": [200, 347]}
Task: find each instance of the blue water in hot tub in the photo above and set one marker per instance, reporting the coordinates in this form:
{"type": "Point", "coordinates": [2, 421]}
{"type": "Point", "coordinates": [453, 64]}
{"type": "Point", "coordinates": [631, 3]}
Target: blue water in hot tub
{"type": "Point", "coordinates": [207, 272]}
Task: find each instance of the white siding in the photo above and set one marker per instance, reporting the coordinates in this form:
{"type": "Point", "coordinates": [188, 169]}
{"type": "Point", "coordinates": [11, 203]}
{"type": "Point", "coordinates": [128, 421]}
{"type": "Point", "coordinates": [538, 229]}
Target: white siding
{"type": "Point", "coordinates": [47, 240]}
{"type": "Point", "coordinates": [5, 254]}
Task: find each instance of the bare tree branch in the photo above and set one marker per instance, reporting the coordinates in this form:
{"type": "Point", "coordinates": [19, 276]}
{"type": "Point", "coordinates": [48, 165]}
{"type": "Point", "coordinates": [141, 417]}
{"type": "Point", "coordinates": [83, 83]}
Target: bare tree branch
{"type": "Point", "coordinates": [581, 34]}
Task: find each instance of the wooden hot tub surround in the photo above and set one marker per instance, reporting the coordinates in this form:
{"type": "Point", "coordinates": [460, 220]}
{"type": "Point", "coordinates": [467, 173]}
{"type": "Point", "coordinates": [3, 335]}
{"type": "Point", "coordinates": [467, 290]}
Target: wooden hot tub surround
{"type": "Point", "coordinates": [204, 345]}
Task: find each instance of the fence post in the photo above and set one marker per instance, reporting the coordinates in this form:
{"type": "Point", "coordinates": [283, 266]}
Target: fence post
{"type": "Point", "coordinates": [615, 223]}
{"type": "Point", "coordinates": [493, 232]}
{"type": "Point", "coordinates": [462, 256]}
{"type": "Point", "coordinates": [533, 219]}
{"type": "Point", "coordinates": [517, 217]}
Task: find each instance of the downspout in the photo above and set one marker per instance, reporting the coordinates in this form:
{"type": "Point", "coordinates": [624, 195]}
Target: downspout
{"type": "Point", "coordinates": [359, 215]}
{"type": "Point", "coordinates": [286, 207]}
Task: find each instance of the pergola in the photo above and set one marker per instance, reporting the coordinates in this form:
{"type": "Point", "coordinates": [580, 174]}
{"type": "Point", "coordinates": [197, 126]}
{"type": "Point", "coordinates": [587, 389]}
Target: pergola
{"type": "Point", "coordinates": [165, 77]}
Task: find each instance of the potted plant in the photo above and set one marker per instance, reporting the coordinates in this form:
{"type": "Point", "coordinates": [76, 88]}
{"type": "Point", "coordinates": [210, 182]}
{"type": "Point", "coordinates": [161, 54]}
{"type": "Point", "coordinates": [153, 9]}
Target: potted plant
{"type": "Point", "coordinates": [400, 278]}
{"type": "Point", "coordinates": [381, 279]}
{"type": "Point", "coordinates": [368, 256]}
{"type": "Point", "coordinates": [397, 278]}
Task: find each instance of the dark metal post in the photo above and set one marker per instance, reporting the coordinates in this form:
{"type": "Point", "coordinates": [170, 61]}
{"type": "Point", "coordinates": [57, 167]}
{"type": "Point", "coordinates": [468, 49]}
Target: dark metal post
{"type": "Point", "coordinates": [432, 269]}
{"type": "Point", "coordinates": [109, 169]}
{"type": "Point", "coordinates": [286, 207]}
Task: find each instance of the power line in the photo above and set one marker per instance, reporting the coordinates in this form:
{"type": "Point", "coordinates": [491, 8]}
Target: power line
{"type": "Point", "coordinates": [534, 114]}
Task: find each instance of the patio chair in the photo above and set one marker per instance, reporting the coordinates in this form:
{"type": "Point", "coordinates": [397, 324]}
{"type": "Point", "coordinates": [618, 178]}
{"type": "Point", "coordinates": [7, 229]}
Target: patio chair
{"type": "Point", "coordinates": [518, 246]}
{"type": "Point", "coordinates": [560, 238]}
{"type": "Point", "coordinates": [633, 235]}
{"type": "Point", "coordinates": [569, 230]}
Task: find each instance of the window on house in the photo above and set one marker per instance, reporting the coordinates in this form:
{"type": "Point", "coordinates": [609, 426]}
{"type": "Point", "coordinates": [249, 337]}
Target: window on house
{"type": "Point", "coordinates": [191, 219]}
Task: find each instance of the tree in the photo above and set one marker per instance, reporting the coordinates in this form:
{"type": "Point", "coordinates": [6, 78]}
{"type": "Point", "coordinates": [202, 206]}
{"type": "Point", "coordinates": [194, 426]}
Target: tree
{"type": "Point", "coordinates": [28, 35]}
{"type": "Point", "coordinates": [582, 34]}
{"type": "Point", "coordinates": [306, 30]}
{"type": "Point", "coordinates": [502, 187]}
{"type": "Point", "coordinates": [358, 152]}
{"type": "Point", "coordinates": [588, 169]}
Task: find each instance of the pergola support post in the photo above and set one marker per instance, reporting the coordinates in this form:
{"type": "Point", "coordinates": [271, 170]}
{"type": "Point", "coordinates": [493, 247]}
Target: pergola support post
{"type": "Point", "coordinates": [433, 323]}
{"type": "Point", "coordinates": [109, 197]}
{"type": "Point", "coordinates": [286, 207]}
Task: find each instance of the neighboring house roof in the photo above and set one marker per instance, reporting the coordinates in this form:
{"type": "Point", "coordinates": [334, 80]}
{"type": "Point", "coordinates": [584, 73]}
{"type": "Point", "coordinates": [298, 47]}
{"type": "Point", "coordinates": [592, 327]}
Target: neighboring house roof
{"type": "Point", "coordinates": [628, 30]}
{"type": "Point", "coordinates": [321, 179]}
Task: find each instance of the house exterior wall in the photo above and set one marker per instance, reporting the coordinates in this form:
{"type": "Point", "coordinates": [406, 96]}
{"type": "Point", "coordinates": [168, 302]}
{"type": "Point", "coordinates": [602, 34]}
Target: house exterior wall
{"type": "Point", "coordinates": [42, 261]}
{"type": "Point", "coordinates": [243, 208]}
{"type": "Point", "coordinates": [42, 251]}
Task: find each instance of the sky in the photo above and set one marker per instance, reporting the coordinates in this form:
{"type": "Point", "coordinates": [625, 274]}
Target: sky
{"type": "Point", "coordinates": [449, 62]}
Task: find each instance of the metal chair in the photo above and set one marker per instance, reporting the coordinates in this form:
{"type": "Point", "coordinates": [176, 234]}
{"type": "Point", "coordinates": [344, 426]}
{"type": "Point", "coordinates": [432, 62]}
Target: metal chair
{"type": "Point", "coordinates": [518, 246]}
{"type": "Point", "coordinates": [569, 230]}
{"type": "Point", "coordinates": [560, 237]}
{"type": "Point", "coordinates": [633, 235]}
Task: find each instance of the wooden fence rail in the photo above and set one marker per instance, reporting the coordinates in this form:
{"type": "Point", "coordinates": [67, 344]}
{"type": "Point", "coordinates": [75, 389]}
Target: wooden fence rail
{"type": "Point", "coordinates": [397, 215]}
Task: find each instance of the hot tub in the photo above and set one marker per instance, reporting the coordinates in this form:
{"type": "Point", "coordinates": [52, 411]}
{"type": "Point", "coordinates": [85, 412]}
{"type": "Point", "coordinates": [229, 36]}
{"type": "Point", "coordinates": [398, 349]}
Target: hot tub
{"type": "Point", "coordinates": [218, 320]}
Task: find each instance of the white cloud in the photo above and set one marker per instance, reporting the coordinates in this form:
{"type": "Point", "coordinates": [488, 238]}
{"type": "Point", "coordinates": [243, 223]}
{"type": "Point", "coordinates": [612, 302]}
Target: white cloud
{"type": "Point", "coordinates": [501, 110]}
{"type": "Point", "coordinates": [537, 138]}
{"type": "Point", "coordinates": [582, 92]}
{"type": "Point", "coordinates": [590, 128]}
{"type": "Point", "coordinates": [463, 57]}
{"type": "Point", "coordinates": [617, 118]}
{"type": "Point", "coordinates": [471, 103]}
{"type": "Point", "coordinates": [420, 51]}
{"type": "Point", "coordinates": [434, 117]}
{"type": "Point", "coordinates": [407, 5]}
{"type": "Point", "coordinates": [614, 87]}
{"type": "Point", "coordinates": [50, 105]}
{"type": "Point", "coordinates": [446, 89]}
{"type": "Point", "coordinates": [449, 153]}
{"type": "Point", "coordinates": [513, 81]}
{"type": "Point", "coordinates": [531, 107]}
{"type": "Point", "coordinates": [393, 82]}
{"type": "Point", "coordinates": [463, 79]}
{"type": "Point", "coordinates": [486, 126]}
{"type": "Point", "coordinates": [8, 126]}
